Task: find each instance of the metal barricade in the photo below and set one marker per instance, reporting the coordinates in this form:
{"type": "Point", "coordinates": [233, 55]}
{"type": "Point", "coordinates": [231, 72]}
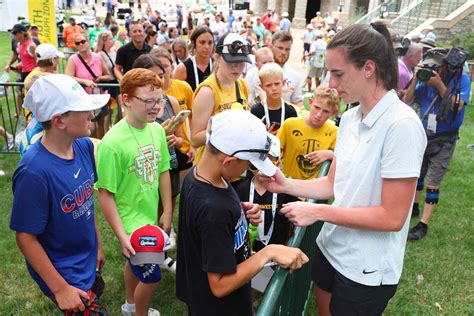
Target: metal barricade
{"type": "Point", "coordinates": [288, 294]}
{"type": "Point", "coordinates": [12, 116]}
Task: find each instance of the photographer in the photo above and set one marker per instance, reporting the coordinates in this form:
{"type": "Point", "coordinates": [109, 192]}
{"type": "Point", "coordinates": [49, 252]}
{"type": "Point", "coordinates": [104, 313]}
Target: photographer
{"type": "Point", "coordinates": [438, 93]}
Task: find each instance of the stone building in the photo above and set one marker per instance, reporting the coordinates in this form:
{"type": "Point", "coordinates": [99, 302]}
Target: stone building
{"type": "Point", "coordinates": [302, 11]}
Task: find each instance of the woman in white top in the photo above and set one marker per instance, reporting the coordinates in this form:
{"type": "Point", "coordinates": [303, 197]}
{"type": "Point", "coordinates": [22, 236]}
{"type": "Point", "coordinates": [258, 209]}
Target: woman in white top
{"type": "Point", "coordinates": [372, 179]}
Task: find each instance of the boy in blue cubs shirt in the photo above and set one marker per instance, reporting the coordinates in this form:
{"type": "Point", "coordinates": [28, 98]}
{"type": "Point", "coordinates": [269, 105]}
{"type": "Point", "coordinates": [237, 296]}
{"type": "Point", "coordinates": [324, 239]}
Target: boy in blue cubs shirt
{"type": "Point", "coordinates": [53, 202]}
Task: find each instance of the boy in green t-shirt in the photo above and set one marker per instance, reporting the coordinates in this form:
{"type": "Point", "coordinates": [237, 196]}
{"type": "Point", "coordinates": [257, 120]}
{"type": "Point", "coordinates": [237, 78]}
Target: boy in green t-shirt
{"type": "Point", "coordinates": [133, 164]}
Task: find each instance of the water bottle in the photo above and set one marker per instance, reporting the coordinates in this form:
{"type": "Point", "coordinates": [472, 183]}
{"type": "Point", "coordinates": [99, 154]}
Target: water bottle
{"type": "Point", "coordinates": [253, 233]}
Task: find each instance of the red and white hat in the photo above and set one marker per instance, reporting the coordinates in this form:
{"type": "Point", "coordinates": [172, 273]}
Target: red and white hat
{"type": "Point", "coordinates": [150, 243]}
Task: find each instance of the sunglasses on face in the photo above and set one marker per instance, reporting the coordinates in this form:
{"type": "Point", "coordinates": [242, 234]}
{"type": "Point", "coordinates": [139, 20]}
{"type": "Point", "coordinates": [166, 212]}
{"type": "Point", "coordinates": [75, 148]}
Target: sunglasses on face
{"type": "Point", "coordinates": [80, 42]}
{"type": "Point", "coordinates": [236, 46]}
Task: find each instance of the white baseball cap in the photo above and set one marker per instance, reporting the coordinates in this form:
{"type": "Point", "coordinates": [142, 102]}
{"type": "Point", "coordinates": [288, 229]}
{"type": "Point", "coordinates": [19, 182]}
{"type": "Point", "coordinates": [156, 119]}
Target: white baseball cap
{"type": "Point", "coordinates": [319, 34]}
{"type": "Point", "coordinates": [310, 26]}
{"type": "Point", "coordinates": [57, 94]}
{"type": "Point", "coordinates": [240, 134]}
{"type": "Point", "coordinates": [285, 14]}
{"type": "Point", "coordinates": [46, 51]}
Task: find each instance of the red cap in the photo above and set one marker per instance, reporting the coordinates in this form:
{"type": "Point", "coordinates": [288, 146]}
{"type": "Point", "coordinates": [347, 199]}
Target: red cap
{"type": "Point", "coordinates": [149, 243]}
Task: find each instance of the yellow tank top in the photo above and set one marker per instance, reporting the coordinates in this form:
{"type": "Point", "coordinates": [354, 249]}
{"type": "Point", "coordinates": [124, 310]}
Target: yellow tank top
{"type": "Point", "coordinates": [224, 99]}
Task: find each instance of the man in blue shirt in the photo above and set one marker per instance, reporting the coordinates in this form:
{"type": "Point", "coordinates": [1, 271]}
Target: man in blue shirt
{"type": "Point", "coordinates": [450, 87]}
{"type": "Point", "coordinates": [285, 23]}
{"type": "Point", "coordinates": [53, 201]}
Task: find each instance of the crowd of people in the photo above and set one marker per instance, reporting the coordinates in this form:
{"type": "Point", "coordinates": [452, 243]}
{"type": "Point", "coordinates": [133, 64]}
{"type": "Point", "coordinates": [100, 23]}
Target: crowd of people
{"type": "Point", "coordinates": [209, 111]}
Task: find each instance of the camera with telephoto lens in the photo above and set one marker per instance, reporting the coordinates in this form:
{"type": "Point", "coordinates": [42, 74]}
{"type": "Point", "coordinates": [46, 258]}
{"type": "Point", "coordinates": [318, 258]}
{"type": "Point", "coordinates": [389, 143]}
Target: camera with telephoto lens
{"type": "Point", "coordinates": [433, 59]}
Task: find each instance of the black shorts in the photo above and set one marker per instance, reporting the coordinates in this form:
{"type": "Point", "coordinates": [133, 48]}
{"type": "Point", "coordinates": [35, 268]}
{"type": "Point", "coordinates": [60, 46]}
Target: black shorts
{"type": "Point", "coordinates": [349, 297]}
{"type": "Point", "coordinates": [174, 176]}
{"type": "Point", "coordinates": [306, 47]}
{"type": "Point", "coordinates": [101, 113]}
{"type": "Point", "coordinates": [183, 163]}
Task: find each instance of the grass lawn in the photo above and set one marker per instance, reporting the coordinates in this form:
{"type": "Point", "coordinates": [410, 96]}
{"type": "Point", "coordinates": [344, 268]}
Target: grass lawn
{"type": "Point", "coordinates": [437, 276]}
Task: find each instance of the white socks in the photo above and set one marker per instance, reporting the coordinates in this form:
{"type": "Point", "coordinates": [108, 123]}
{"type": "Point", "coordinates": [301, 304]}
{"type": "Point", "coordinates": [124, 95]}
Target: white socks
{"type": "Point", "coordinates": [129, 307]}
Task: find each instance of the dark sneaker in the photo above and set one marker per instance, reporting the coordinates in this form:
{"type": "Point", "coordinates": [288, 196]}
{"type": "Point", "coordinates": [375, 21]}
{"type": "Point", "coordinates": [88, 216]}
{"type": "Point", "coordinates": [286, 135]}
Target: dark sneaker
{"type": "Point", "coordinates": [415, 211]}
{"type": "Point", "coordinates": [418, 231]}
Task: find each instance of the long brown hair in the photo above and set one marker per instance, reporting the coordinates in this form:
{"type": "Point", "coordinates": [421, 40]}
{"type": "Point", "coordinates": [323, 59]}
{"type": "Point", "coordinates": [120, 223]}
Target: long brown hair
{"type": "Point", "coordinates": [362, 42]}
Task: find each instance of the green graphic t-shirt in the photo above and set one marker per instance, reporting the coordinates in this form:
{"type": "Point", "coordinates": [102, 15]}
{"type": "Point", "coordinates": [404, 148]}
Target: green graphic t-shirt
{"type": "Point", "coordinates": [129, 165]}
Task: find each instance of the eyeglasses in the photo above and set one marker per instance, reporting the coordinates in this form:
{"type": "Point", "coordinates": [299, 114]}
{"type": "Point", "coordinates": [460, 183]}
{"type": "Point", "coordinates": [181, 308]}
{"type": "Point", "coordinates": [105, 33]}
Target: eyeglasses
{"type": "Point", "coordinates": [80, 42]}
{"type": "Point", "coordinates": [236, 46]}
{"type": "Point", "coordinates": [263, 152]}
{"type": "Point", "coordinates": [150, 103]}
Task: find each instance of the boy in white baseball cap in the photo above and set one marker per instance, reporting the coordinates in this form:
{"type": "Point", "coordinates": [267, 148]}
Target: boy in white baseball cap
{"type": "Point", "coordinates": [53, 201]}
{"type": "Point", "coordinates": [214, 264]}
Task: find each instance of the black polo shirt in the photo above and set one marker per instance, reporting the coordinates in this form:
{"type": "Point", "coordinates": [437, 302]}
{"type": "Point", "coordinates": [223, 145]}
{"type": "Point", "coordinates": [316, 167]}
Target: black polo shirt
{"type": "Point", "coordinates": [127, 54]}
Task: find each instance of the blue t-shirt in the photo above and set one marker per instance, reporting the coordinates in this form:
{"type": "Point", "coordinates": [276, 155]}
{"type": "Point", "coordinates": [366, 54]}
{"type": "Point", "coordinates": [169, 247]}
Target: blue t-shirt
{"type": "Point", "coordinates": [425, 94]}
{"type": "Point", "coordinates": [53, 199]}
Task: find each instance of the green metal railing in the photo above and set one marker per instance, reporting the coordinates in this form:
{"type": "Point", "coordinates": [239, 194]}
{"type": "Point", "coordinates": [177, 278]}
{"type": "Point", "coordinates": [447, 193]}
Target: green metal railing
{"type": "Point", "coordinates": [288, 294]}
{"type": "Point", "coordinates": [389, 6]}
{"type": "Point", "coordinates": [419, 12]}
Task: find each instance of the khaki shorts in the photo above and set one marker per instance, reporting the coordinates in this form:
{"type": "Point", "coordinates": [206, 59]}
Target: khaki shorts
{"type": "Point", "coordinates": [315, 72]}
{"type": "Point", "coordinates": [438, 154]}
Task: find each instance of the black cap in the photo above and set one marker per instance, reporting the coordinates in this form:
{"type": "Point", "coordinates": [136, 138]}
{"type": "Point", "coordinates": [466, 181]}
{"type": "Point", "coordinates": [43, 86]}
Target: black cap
{"type": "Point", "coordinates": [17, 28]}
{"type": "Point", "coordinates": [72, 19]}
{"type": "Point", "coordinates": [241, 55]}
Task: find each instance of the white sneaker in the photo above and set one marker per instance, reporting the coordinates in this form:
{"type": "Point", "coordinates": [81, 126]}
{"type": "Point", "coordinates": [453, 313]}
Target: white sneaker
{"type": "Point", "coordinates": [153, 312]}
{"type": "Point", "coordinates": [126, 312]}
{"type": "Point", "coordinates": [169, 265]}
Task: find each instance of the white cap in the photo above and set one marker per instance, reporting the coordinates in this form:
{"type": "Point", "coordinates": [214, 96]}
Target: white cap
{"type": "Point", "coordinates": [331, 33]}
{"type": "Point", "coordinates": [57, 94]}
{"type": "Point", "coordinates": [319, 34]}
{"type": "Point", "coordinates": [239, 133]}
{"type": "Point", "coordinates": [285, 14]}
{"type": "Point", "coordinates": [310, 26]}
{"type": "Point", "coordinates": [46, 51]}
{"type": "Point", "coordinates": [162, 39]}
{"type": "Point", "coordinates": [416, 35]}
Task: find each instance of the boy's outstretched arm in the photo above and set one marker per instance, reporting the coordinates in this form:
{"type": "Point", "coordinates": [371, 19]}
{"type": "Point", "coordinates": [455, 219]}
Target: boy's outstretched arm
{"type": "Point", "coordinates": [67, 297]}
{"type": "Point", "coordinates": [289, 258]}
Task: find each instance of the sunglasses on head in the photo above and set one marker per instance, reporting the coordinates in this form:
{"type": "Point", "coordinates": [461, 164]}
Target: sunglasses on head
{"type": "Point", "coordinates": [263, 152]}
{"type": "Point", "coordinates": [80, 42]}
{"type": "Point", "coordinates": [235, 47]}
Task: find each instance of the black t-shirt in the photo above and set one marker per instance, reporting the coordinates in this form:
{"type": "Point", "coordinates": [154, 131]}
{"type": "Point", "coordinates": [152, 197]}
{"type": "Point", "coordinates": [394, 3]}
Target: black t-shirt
{"type": "Point", "coordinates": [128, 53]}
{"type": "Point", "coordinates": [191, 78]}
{"type": "Point", "coordinates": [275, 115]}
{"type": "Point", "coordinates": [212, 237]}
{"type": "Point", "coordinates": [282, 227]}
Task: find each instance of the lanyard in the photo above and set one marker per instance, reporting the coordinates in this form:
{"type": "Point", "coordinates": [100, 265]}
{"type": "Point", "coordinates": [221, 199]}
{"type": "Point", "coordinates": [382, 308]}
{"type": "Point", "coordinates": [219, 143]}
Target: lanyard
{"type": "Point", "coordinates": [261, 233]}
{"type": "Point", "coordinates": [196, 76]}
{"type": "Point", "coordinates": [267, 113]}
